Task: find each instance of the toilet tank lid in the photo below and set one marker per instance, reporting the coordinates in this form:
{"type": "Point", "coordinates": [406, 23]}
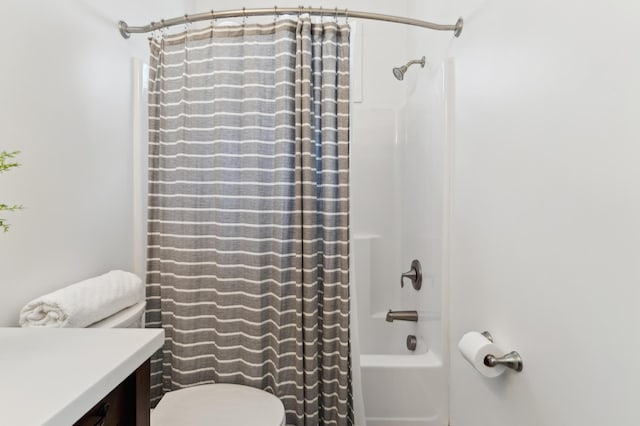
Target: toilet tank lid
{"type": "Point", "coordinates": [124, 318]}
{"type": "Point", "coordinates": [220, 404]}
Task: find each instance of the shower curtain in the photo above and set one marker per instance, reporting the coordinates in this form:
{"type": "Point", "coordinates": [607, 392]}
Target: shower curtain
{"type": "Point", "coordinates": [248, 233]}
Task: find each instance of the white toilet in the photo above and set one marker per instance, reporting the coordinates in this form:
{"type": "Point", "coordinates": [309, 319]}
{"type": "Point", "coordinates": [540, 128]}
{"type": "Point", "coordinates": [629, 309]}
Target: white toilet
{"type": "Point", "coordinates": [216, 404]}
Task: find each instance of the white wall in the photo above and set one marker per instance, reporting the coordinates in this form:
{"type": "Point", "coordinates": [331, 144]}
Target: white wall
{"type": "Point", "coordinates": [546, 210]}
{"type": "Point", "coordinates": [66, 104]}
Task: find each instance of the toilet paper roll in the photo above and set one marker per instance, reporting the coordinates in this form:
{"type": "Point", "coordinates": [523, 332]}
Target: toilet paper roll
{"type": "Point", "coordinates": [474, 347]}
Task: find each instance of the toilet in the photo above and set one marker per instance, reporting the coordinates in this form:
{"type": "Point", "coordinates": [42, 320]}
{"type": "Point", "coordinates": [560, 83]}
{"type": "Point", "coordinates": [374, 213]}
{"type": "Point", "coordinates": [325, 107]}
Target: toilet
{"type": "Point", "coordinates": [218, 404]}
{"type": "Point", "coordinates": [214, 404]}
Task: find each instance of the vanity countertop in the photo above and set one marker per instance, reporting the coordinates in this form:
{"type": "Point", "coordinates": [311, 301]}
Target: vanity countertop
{"type": "Point", "coordinates": [53, 376]}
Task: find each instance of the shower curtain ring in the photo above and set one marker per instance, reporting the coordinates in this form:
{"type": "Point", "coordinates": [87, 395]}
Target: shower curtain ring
{"type": "Point", "coordinates": [346, 14]}
{"type": "Point", "coordinates": [336, 12]}
{"type": "Point", "coordinates": [321, 15]}
{"type": "Point", "coordinates": [162, 30]}
{"type": "Point", "coordinates": [213, 18]}
{"type": "Point", "coordinates": [275, 14]}
{"type": "Point", "coordinates": [244, 16]}
{"type": "Point", "coordinates": [299, 11]}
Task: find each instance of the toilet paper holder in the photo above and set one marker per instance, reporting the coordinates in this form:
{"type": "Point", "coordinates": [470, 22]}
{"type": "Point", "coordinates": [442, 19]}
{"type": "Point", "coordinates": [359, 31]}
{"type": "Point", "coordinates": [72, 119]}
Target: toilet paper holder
{"type": "Point", "coordinates": [512, 360]}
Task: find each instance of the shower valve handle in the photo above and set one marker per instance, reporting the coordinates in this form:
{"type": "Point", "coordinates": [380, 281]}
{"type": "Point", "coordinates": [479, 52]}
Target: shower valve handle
{"type": "Point", "coordinates": [415, 275]}
{"type": "Point", "coordinates": [411, 275]}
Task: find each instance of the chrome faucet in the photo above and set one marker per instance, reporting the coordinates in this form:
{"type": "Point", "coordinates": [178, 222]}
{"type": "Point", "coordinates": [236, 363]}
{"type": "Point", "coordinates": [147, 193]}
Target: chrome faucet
{"type": "Point", "coordinates": [401, 316]}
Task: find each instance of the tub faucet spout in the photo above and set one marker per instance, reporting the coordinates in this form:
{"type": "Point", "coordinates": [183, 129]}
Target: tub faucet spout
{"type": "Point", "coordinates": [402, 316]}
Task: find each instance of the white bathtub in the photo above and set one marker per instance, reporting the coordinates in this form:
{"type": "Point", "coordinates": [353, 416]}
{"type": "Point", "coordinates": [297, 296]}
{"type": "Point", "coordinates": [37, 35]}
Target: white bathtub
{"type": "Point", "coordinates": [398, 387]}
{"type": "Point", "coordinates": [403, 390]}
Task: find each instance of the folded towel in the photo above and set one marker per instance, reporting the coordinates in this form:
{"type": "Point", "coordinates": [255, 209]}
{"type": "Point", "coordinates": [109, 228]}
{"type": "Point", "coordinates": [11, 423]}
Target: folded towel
{"type": "Point", "coordinates": [84, 303]}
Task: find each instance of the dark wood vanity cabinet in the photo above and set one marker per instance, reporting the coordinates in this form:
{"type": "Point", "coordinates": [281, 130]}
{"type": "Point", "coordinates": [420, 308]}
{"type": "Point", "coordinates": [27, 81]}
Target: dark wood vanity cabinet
{"type": "Point", "coordinates": [126, 405]}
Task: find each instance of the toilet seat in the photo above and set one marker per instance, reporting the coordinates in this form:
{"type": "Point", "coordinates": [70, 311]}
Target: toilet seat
{"type": "Point", "coordinates": [218, 404]}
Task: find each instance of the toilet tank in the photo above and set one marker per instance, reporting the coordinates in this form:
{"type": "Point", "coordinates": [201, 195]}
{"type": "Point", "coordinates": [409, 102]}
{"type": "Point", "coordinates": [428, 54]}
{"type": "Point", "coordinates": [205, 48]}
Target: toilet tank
{"type": "Point", "coordinates": [131, 317]}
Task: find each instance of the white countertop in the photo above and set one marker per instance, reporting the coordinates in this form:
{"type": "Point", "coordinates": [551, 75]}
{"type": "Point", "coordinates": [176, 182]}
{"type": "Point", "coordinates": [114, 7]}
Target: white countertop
{"type": "Point", "coordinates": [53, 376]}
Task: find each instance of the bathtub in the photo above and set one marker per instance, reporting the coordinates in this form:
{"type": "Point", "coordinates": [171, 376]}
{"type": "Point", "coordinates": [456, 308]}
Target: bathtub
{"type": "Point", "coordinates": [403, 390]}
{"type": "Point", "coordinates": [397, 386]}
{"type": "Point", "coordinates": [402, 387]}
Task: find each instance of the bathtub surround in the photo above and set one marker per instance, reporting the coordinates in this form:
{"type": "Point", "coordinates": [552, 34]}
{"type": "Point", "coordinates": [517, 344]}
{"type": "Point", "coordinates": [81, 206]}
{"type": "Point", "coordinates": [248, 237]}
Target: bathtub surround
{"type": "Point", "coordinates": [248, 213]}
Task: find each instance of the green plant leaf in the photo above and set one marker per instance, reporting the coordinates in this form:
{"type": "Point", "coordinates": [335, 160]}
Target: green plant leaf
{"type": "Point", "coordinates": [6, 165]}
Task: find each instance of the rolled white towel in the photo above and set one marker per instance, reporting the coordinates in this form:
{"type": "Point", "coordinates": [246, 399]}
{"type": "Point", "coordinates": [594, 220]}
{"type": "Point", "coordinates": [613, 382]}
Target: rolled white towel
{"type": "Point", "coordinates": [84, 303]}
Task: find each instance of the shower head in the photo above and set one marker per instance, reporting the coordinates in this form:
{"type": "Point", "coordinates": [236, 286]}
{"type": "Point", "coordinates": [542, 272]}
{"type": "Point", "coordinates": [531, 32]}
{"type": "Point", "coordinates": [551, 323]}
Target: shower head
{"type": "Point", "coordinates": [398, 72]}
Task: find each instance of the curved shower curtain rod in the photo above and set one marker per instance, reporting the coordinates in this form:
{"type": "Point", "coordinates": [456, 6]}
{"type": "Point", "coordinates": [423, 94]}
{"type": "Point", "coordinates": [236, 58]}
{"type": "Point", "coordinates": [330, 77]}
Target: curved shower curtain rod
{"type": "Point", "coordinates": [126, 30]}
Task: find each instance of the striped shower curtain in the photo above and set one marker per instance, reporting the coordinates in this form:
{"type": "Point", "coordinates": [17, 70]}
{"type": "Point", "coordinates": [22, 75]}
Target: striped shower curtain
{"type": "Point", "coordinates": [248, 234]}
